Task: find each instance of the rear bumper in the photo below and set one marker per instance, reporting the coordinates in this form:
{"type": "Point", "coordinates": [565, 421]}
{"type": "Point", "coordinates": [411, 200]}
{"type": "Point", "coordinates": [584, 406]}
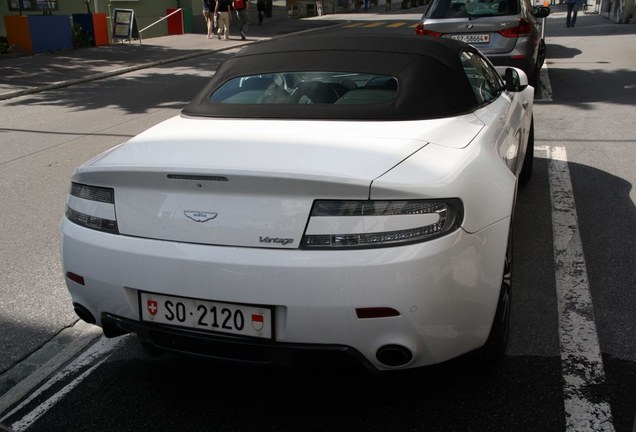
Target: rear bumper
{"type": "Point", "coordinates": [232, 349]}
{"type": "Point", "coordinates": [445, 290]}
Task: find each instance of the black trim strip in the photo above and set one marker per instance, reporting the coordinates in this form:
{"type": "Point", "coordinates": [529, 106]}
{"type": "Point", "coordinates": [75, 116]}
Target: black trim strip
{"type": "Point", "coordinates": [197, 177]}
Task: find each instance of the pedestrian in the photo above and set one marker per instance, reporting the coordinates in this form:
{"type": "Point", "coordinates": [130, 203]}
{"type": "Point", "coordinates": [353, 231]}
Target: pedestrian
{"type": "Point", "coordinates": [573, 9]}
{"type": "Point", "coordinates": [387, 6]}
{"type": "Point", "coordinates": [260, 7]}
{"type": "Point", "coordinates": [208, 11]}
{"type": "Point", "coordinates": [224, 11]}
{"type": "Point", "coordinates": [240, 6]}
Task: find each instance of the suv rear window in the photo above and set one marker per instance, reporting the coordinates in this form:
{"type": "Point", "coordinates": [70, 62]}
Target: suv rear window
{"type": "Point", "coordinates": [471, 8]}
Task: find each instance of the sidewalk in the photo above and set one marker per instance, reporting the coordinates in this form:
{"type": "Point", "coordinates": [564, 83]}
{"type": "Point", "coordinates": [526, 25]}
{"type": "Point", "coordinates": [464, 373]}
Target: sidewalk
{"type": "Point", "coordinates": [34, 73]}
{"type": "Point", "coordinates": [588, 23]}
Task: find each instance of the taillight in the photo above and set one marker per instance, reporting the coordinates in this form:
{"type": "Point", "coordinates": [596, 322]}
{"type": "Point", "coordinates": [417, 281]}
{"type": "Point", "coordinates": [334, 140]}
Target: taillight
{"type": "Point", "coordinates": [523, 29]}
{"type": "Point", "coordinates": [366, 224]}
{"type": "Point", "coordinates": [420, 30]}
{"type": "Point", "coordinates": [92, 207]}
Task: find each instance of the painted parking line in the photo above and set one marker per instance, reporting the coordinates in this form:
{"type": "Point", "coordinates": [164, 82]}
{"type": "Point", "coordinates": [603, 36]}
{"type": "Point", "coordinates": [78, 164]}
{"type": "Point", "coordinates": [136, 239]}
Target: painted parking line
{"type": "Point", "coordinates": [396, 24]}
{"type": "Point", "coordinates": [581, 360]}
{"type": "Point", "coordinates": [83, 365]}
{"type": "Point", "coordinates": [376, 24]}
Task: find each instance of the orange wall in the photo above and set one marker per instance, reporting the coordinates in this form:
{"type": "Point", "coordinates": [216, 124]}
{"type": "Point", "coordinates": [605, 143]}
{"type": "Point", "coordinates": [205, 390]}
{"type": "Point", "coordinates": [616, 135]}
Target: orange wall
{"type": "Point", "coordinates": [18, 32]}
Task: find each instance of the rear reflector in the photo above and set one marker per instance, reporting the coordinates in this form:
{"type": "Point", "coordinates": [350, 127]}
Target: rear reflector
{"type": "Point", "coordinates": [376, 312]}
{"type": "Point", "coordinates": [75, 278]}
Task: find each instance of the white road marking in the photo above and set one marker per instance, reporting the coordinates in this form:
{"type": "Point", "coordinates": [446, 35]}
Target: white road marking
{"type": "Point", "coordinates": [581, 360]}
{"type": "Point", "coordinates": [91, 358]}
{"type": "Point", "coordinates": [81, 335]}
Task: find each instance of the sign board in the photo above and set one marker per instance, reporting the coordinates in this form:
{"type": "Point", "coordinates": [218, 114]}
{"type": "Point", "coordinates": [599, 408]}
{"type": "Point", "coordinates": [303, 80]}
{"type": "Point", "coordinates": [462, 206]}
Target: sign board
{"type": "Point", "coordinates": [33, 5]}
{"type": "Point", "coordinates": [124, 25]}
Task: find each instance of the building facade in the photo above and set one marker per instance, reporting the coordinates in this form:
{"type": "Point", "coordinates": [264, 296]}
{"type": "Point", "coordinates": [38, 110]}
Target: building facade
{"type": "Point", "coordinates": [146, 11]}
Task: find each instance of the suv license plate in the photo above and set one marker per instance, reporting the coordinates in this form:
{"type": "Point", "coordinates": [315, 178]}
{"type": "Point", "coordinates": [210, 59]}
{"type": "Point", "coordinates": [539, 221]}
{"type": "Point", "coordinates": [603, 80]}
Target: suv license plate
{"type": "Point", "coordinates": [472, 38]}
{"type": "Point", "coordinates": [231, 318]}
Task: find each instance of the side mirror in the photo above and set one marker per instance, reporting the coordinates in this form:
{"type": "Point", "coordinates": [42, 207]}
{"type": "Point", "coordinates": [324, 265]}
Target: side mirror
{"type": "Point", "coordinates": [516, 80]}
{"type": "Point", "coordinates": [541, 11]}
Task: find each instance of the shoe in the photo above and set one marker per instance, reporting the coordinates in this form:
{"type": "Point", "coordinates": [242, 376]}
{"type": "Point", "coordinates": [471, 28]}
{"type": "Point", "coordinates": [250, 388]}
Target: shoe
{"type": "Point", "coordinates": [243, 35]}
{"type": "Point", "coordinates": [219, 34]}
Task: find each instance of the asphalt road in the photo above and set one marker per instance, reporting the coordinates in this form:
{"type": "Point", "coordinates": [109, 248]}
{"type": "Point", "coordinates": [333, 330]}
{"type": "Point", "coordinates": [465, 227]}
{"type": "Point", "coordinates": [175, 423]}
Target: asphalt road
{"type": "Point", "coordinates": [117, 386]}
{"type": "Point", "coordinates": [44, 136]}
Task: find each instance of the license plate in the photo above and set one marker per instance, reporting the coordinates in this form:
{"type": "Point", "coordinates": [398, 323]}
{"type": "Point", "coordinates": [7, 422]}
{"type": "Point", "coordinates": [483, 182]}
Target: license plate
{"type": "Point", "coordinates": [213, 316]}
{"type": "Point", "coordinates": [472, 38]}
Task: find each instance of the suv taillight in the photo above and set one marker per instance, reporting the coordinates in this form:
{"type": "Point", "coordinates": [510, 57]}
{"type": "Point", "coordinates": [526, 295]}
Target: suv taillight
{"type": "Point", "coordinates": [523, 29]}
{"type": "Point", "coordinates": [420, 30]}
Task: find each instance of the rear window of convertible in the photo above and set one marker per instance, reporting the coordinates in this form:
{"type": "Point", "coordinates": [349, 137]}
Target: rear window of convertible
{"type": "Point", "coordinates": [307, 87]}
{"type": "Point", "coordinates": [363, 86]}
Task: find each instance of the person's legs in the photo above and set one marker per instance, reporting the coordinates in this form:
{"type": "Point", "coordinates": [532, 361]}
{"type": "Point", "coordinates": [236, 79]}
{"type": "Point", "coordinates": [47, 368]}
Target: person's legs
{"type": "Point", "coordinates": [226, 33]}
{"type": "Point", "coordinates": [208, 22]}
{"type": "Point", "coordinates": [224, 25]}
{"type": "Point", "coordinates": [568, 20]}
{"type": "Point", "coordinates": [575, 10]}
{"type": "Point", "coordinates": [245, 22]}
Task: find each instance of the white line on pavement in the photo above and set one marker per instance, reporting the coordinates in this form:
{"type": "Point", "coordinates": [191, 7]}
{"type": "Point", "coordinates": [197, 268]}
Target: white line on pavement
{"type": "Point", "coordinates": [94, 356]}
{"type": "Point", "coordinates": [63, 347]}
{"type": "Point", "coordinates": [581, 361]}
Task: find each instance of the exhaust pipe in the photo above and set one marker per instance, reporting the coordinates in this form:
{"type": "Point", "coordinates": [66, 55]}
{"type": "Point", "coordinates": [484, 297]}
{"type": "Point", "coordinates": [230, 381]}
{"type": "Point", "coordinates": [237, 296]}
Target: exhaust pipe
{"type": "Point", "coordinates": [84, 313]}
{"type": "Point", "coordinates": [394, 355]}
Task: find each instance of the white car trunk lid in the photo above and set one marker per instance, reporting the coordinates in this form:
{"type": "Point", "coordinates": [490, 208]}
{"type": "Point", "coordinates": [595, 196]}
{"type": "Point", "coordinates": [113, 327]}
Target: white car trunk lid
{"type": "Point", "coordinates": [246, 183]}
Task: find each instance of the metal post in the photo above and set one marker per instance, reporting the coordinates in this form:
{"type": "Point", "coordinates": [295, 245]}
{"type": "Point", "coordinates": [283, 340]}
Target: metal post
{"type": "Point", "coordinates": [110, 24]}
{"type": "Point", "coordinates": [159, 20]}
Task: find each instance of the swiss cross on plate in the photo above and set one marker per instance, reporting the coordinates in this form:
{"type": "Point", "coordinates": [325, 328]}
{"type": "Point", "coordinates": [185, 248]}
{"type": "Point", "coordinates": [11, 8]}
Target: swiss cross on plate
{"type": "Point", "coordinates": [153, 307]}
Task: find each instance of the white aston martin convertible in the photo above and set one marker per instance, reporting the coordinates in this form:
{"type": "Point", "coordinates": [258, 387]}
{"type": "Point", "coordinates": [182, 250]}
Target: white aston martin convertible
{"type": "Point", "coordinates": [350, 195]}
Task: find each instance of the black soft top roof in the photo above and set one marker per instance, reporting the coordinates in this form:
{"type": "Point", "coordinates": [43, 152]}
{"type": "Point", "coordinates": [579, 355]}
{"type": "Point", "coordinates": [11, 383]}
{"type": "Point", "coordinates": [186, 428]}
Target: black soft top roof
{"type": "Point", "coordinates": [431, 80]}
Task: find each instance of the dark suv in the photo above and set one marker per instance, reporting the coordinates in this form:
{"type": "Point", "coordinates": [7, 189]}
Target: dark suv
{"type": "Point", "coordinates": [508, 32]}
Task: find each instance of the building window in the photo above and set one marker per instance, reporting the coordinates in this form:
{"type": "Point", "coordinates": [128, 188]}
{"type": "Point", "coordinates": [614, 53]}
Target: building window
{"type": "Point", "coordinates": [32, 5]}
